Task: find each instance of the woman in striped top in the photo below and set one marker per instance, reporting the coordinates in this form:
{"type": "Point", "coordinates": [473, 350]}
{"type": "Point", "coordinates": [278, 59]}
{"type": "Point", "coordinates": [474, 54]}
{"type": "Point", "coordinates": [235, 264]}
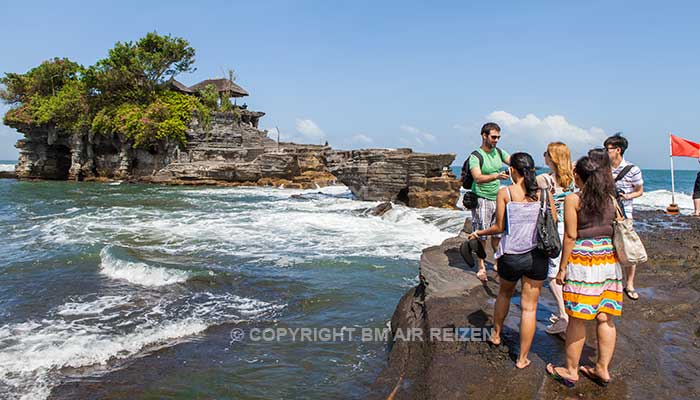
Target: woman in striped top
{"type": "Point", "coordinates": [590, 272]}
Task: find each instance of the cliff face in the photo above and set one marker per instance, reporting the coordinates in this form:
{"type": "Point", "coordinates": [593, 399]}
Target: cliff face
{"type": "Point", "coordinates": [233, 151]}
{"type": "Point", "coordinates": [415, 179]}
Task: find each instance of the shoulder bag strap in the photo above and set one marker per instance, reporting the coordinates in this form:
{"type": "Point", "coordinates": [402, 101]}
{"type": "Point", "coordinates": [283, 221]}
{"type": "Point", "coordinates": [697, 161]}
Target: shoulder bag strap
{"type": "Point", "coordinates": [623, 172]}
{"type": "Point", "coordinates": [618, 212]}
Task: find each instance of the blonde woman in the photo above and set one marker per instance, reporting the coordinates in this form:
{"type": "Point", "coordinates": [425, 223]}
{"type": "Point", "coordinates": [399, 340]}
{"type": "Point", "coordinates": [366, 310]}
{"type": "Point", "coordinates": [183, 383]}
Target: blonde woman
{"type": "Point", "coordinates": [560, 182]}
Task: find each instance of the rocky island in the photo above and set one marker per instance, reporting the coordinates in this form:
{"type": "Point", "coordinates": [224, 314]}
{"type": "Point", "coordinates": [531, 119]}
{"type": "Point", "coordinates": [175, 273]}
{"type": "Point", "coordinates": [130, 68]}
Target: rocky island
{"type": "Point", "coordinates": [127, 118]}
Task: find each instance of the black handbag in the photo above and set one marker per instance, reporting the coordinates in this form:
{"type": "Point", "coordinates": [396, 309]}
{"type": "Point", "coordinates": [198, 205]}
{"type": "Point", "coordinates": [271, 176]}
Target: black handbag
{"type": "Point", "coordinates": [470, 200]}
{"type": "Point", "coordinates": [548, 240]}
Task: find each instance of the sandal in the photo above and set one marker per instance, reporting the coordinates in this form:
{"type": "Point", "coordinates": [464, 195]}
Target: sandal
{"type": "Point", "coordinates": [588, 373]}
{"type": "Point", "coordinates": [552, 372]}
{"type": "Point", "coordinates": [632, 294]}
{"type": "Point", "coordinates": [553, 318]}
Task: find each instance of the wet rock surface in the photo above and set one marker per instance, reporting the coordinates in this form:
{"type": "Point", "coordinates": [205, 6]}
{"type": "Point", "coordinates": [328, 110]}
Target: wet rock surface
{"type": "Point", "coordinates": [658, 346]}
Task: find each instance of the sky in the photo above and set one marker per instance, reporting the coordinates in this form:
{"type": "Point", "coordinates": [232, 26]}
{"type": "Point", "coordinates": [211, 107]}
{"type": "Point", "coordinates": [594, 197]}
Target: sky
{"type": "Point", "coordinates": [375, 74]}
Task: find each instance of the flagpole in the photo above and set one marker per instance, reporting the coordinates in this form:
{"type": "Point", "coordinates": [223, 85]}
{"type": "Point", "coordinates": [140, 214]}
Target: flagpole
{"type": "Point", "coordinates": [673, 207]}
{"type": "Point", "coordinates": [673, 181]}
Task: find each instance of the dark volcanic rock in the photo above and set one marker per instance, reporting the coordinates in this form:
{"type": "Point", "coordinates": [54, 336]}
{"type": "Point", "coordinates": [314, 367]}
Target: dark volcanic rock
{"type": "Point", "coordinates": [8, 175]}
{"type": "Point", "coordinates": [381, 209]}
{"type": "Point", "coordinates": [657, 353]}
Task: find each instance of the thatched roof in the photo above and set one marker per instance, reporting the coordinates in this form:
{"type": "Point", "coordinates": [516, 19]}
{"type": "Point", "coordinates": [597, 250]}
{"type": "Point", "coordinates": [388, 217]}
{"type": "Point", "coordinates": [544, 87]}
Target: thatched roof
{"type": "Point", "coordinates": [222, 86]}
{"type": "Point", "coordinates": [179, 87]}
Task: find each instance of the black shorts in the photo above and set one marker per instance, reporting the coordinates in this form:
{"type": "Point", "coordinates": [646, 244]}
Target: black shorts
{"type": "Point", "coordinates": [696, 190]}
{"type": "Point", "coordinates": [533, 264]}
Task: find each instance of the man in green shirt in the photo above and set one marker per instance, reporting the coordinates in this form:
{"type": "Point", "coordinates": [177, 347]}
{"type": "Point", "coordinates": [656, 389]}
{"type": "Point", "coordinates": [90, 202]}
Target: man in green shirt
{"type": "Point", "coordinates": [487, 176]}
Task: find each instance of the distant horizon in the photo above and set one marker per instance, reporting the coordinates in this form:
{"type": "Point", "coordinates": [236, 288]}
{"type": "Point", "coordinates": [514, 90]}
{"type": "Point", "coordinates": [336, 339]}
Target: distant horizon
{"type": "Point", "coordinates": [411, 74]}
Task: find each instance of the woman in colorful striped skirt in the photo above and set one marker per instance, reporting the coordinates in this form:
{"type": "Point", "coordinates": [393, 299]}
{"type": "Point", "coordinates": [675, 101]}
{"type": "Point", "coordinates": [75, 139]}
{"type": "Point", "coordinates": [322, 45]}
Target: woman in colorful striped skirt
{"type": "Point", "coordinates": [589, 271]}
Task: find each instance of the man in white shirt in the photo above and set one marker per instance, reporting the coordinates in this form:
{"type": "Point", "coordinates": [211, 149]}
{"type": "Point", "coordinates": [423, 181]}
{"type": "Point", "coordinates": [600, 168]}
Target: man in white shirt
{"type": "Point", "coordinates": [630, 185]}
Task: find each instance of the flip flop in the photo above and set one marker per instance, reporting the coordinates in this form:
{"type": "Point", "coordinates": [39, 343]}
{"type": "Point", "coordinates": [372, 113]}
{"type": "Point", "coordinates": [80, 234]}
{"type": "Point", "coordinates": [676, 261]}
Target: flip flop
{"type": "Point", "coordinates": [593, 376]}
{"type": "Point", "coordinates": [632, 294]}
{"type": "Point", "coordinates": [552, 372]}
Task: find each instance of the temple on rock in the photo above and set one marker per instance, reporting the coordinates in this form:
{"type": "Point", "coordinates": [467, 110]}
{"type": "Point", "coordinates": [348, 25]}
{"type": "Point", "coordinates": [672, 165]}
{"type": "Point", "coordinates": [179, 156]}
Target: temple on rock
{"type": "Point", "coordinates": [229, 149]}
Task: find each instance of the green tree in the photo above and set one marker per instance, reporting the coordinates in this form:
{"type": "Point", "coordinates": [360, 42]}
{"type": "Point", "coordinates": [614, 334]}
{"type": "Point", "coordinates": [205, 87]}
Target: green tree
{"type": "Point", "coordinates": [134, 71]}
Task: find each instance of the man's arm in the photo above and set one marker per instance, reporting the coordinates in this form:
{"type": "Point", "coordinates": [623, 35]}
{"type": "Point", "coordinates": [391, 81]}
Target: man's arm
{"type": "Point", "coordinates": [481, 178]}
{"type": "Point", "coordinates": [635, 178]}
{"type": "Point", "coordinates": [638, 191]}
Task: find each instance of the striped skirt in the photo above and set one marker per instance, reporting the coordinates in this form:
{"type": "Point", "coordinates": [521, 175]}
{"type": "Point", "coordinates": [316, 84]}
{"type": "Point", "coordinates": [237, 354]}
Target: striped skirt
{"type": "Point", "coordinates": [593, 280]}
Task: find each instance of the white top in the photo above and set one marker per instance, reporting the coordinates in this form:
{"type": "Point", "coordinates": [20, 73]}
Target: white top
{"type": "Point", "coordinates": [631, 179]}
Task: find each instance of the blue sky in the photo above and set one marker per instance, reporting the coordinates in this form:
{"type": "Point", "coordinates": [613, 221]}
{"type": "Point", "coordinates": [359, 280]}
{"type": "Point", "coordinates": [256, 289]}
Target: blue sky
{"type": "Point", "coordinates": [419, 75]}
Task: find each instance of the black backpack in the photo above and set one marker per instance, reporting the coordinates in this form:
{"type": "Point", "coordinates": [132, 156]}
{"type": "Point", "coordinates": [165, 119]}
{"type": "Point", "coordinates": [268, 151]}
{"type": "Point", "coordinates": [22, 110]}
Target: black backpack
{"type": "Point", "coordinates": [467, 178]}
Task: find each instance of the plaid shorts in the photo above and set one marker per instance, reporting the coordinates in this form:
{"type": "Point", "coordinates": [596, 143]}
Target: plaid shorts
{"type": "Point", "coordinates": [484, 215]}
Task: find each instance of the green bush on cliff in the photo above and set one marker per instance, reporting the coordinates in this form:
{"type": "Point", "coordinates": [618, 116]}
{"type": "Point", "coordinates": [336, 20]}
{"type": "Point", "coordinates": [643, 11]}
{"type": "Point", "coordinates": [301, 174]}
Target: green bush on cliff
{"type": "Point", "coordinates": [123, 93]}
{"type": "Point", "coordinates": [167, 116]}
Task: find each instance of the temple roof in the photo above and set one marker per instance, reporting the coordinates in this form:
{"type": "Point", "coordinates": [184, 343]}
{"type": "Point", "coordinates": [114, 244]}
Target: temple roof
{"type": "Point", "coordinates": [179, 87]}
{"type": "Point", "coordinates": [222, 86]}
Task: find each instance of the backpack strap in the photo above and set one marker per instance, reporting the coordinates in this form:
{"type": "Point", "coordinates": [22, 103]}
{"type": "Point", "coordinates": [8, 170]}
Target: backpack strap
{"type": "Point", "coordinates": [624, 172]}
{"type": "Point", "coordinates": [500, 154]}
{"type": "Point", "coordinates": [479, 157]}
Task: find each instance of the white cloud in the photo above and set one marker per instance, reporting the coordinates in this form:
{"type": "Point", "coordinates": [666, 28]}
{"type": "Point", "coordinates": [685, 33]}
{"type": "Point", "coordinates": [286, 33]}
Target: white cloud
{"type": "Point", "coordinates": [309, 129]}
{"type": "Point", "coordinates": [532, 134]}
{"type": "Point", "coordinates": [416, 137]}
{"type": "Point", "coordinates": [409, 129]}
{"type": "Point", "coordinates": [360, 138]}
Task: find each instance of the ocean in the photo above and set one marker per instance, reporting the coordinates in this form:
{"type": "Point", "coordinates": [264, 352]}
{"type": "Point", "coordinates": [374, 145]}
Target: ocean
{"type": "Point", "coordinates": [141, 291]}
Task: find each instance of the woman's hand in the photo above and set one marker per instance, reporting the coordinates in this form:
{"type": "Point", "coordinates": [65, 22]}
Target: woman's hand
{"type": "Point", "coordinates": [561, 277]}
{"type": "Point", "coordinates": [473, 236]}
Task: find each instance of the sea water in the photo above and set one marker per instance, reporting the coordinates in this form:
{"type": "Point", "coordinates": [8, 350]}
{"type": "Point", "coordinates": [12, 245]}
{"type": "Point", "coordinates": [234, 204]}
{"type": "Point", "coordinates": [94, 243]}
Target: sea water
{"type": "Point", "coordinates": [137, 288]}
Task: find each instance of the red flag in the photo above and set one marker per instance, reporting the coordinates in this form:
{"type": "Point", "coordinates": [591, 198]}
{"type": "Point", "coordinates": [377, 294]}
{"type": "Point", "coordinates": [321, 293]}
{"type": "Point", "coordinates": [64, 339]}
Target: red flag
{"type": "Point", "coordinates": [684, 148]}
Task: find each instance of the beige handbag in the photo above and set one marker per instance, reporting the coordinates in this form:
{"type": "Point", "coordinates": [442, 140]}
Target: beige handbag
{"type": "Point", "coordinates": [628, 246]}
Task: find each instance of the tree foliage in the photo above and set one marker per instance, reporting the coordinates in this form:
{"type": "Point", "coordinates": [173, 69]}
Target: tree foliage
{"type": "Point", "coordinates": [122, 93]}
{"type": "Point", "coordinates": [132, 72]}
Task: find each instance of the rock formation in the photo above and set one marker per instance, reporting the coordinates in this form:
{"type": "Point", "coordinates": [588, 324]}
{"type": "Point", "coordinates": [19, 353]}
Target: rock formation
{"type": "Point", "coordinates": [232, 151]}
{"type": "Point", "coordinates": [657, 336]}
{"type": "Point", "coordinates": [415, 179]}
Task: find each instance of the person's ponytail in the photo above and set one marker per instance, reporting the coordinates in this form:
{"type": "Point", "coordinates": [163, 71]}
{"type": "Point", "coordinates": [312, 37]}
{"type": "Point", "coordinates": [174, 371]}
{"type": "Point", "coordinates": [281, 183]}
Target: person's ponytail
{"type": "Point", "coordinates": [530, 180]}
{"type": "Point", "coordinates": [525, 165]}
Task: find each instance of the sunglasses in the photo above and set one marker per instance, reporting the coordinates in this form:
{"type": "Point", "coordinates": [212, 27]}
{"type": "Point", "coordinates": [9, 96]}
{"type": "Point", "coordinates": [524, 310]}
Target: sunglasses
{"type": "Point", "coordinates": [546, 154]}
{"type": "Point", "coordinates": [494, 137]}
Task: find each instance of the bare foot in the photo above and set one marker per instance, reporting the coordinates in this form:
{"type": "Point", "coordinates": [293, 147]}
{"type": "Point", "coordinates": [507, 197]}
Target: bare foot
{"type": "Point", "coordinates": [522, 364]}
{"type": "Point", "coordinates": [496, 341]}
{"type": "Point", "coordinates": [594, 375]}
{"type": "Point", "coordinates": [481, 274]}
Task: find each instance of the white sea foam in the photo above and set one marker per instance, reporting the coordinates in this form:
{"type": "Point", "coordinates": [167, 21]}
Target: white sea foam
{"type": "Point", "coordinates": [7, 167]}
{"type": "Point", "coordinates": [94, 307]}
{"type": "Point", "coordinates": [137, 272]}
{"type": "Point", "coordinates": [34, 352]}
{"type": "Point", "coordinates": [275, 226]}
{"type": "Point", "coordinates": [660, 199]}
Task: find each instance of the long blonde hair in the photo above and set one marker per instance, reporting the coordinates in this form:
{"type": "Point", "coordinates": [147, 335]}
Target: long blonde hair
{"type": "Point", "coordinates": [561, 159]}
